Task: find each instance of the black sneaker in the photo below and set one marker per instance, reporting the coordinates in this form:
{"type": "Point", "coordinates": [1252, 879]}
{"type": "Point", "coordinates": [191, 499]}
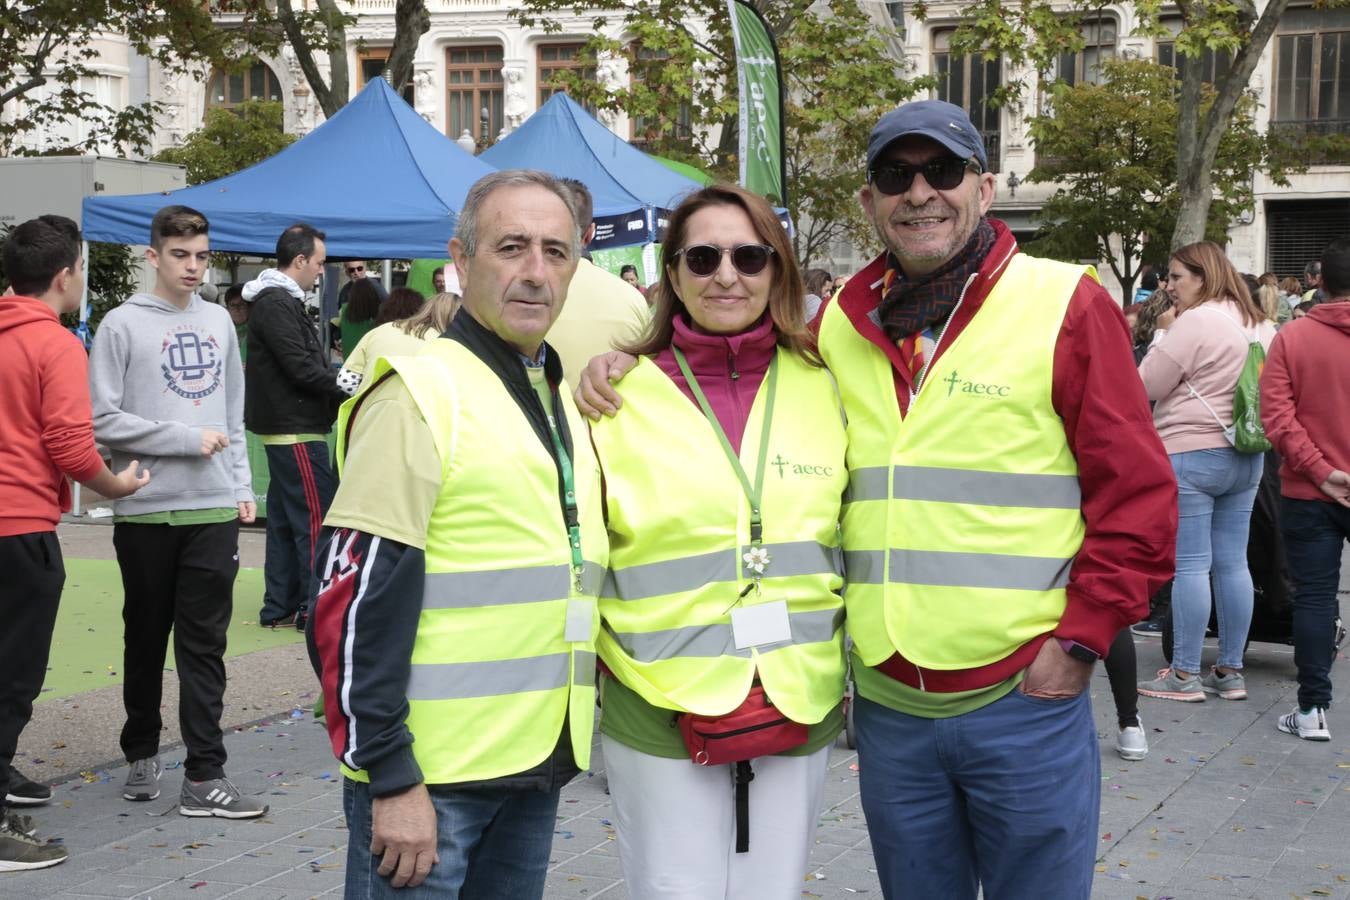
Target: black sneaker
{"type": "Point", "coordinates": [301, 619]}
{"type": "Point", "coordinates": [1147, 628]}
{"type": "Point", "coordinates": [20, 850]}
{"type": "Point", "coordinates": [23, 791]}
{"type": "Point", "coordinates": [283, 622]}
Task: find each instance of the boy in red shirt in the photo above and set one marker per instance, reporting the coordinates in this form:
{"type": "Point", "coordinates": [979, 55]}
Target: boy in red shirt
{"type": "Point", "coordinates": [46, 434]}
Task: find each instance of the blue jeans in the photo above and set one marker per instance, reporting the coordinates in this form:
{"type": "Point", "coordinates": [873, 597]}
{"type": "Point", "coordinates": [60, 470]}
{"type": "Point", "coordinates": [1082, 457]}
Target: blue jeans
{"type": "Point", "coordinates": [1215, 492]}
{"type": "Point", "coordinates": [1005, 797]}
{"type": "Point", "coordinates": [1314, 533]}
{"type": "Point", "coordinates": [493, 845]}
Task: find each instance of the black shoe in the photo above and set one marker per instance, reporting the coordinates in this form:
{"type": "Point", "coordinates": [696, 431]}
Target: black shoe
{"type": "Point", "coordinates": [301, 619]}
{"type": "Point", "coordinates": [23, 791]}
{"type": "Point", "coordinates": [283, 622]}
{"type": "Point", "coordinates": [1147, 628]}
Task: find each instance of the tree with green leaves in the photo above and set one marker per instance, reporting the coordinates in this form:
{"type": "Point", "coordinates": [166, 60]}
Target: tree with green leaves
{"type": "Point", "coordinates": [681, 94]}
{"type": "Point", "coordinates": [230, 140]}
{"type": "Point", "coordinates": [1110, 149]}
{"type": "Point", "coordinates": [323, 29]}
{"type": "Point", "coordinates": [48, 51]}
{"type": "Point", "coordinates": [1031, 35]}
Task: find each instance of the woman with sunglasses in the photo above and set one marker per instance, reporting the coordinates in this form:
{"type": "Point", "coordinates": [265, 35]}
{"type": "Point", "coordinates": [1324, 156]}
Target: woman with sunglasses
{"type": "Point", "coordinates": [722, 615]}
{"type": "Point", "coordinates": [1191, 371]}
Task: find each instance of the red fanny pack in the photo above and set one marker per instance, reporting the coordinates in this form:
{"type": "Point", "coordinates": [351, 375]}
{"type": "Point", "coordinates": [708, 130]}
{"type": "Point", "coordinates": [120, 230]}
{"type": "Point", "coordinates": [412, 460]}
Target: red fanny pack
{"type": "Point", "coordinates": [755, 728]}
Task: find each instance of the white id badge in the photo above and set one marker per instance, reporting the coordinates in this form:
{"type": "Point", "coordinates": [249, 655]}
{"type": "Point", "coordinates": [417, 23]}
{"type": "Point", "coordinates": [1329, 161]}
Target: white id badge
{"type": "Point", "coordinates": [760, 624]}
{"type": "Point", "coordinates": [580, 614]}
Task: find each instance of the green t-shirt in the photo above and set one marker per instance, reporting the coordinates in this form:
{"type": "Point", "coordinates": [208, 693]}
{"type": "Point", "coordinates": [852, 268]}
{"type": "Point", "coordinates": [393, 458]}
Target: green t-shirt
{"type": "Point", "coordinates": [633, 722]}
{"type": "Point", "coordinates": [183, 516]}
{"type": "Point", "coordinates": [881, 688]}
{"type": "Point", "coordinates": [282, 440]}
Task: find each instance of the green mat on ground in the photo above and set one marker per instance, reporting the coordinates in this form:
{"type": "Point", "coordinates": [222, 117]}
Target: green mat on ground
{"type": "Point", "coordinates": [87, 645]}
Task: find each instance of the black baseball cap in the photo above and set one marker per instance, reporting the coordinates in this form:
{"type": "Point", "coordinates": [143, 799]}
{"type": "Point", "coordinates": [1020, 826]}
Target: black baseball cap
{"type": "Point", "coordinates": [944, 122]}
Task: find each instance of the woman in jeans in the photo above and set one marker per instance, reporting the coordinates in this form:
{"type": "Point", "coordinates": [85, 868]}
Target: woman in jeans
{"type": "Point", "coordinates": [1191, 371]}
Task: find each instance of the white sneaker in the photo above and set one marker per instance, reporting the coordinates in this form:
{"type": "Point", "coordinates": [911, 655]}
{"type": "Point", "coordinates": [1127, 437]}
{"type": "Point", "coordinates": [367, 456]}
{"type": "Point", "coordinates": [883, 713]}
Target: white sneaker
{"type": "Point", "coordinates": [1131, 742]}
{"type": "Point", "coordinates": [1311, 726]}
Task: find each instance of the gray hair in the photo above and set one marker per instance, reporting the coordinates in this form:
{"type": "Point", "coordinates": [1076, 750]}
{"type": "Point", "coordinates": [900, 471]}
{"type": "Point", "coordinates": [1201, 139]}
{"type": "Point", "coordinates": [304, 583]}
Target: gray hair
{"type": "Point", "coordinates": [466, 229]}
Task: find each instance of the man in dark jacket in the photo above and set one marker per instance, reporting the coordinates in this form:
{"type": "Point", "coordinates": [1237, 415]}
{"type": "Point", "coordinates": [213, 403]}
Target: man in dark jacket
{"type": "Point", "coordinates": [290, 400]}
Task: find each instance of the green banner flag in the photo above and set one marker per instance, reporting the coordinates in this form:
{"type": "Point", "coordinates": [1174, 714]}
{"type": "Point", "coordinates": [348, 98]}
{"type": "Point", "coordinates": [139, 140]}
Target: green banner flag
{"type": "Point", "coordinates": [761, 98]}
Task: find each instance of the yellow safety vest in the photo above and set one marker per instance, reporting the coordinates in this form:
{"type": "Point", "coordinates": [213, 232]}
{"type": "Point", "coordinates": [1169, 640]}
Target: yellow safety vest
{"type": "Point", "coordinates": [679, 522]}
{"type": "Point", "coordinates": [962, 519]}
{"type": "Point", "coordinates": [493, 675]}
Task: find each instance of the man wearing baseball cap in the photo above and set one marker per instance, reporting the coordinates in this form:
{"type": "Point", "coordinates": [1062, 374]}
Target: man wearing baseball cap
{"type": "Point", "coordinates": [1011, 509]}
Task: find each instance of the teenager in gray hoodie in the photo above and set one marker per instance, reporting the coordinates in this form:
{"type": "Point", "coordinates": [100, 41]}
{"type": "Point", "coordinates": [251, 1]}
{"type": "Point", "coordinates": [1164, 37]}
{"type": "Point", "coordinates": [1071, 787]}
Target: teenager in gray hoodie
{"type": "Point", "coordinates": [168, 388]}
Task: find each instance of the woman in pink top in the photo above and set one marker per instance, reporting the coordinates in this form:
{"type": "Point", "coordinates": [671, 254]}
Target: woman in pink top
{"type": "Point", "coordinates": [1191, 371]}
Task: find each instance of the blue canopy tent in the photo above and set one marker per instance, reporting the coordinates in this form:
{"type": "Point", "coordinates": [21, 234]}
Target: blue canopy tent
{"type": "Point", "coordinates": [377, 178]}
{"type": "Point", "coordinates": [632, 191]}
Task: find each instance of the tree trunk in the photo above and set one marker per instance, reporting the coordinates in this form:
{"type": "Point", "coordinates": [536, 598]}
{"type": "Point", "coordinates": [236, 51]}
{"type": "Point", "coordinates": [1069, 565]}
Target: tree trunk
{"type": "Point", "coordinates": [330, 97]}
{"type": "Point", "coordinates": [1197, 142]}
{"type": "Point", "coordinates": [411, 21]}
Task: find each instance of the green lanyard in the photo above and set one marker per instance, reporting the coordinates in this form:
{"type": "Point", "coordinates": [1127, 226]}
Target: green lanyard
{"type": "Point", "coordinates": [570, 509]}
{"type": "Point", "coordinates": [757, 559]}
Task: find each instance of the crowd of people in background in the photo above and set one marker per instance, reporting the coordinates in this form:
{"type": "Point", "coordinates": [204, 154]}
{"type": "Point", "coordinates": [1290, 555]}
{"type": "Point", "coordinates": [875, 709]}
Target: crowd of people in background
{"type": "Point", "coordinates": [761, 437]}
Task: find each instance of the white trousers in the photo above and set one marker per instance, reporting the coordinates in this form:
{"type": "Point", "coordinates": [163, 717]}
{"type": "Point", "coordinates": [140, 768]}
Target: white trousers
{"type": "Point", "coordinates": [676, 825]}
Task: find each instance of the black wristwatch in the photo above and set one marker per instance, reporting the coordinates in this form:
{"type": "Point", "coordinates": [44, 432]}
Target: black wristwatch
{"type": "Point", "coordinates": [1078, 651]}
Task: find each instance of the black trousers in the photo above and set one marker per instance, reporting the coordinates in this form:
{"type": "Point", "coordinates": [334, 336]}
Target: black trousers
{"type": "Point", "coordinates": [299, 493]}
{"type": "Point", "coordinates": [179, 578]}
{"type": "Point", "coordinates": [32, 575]}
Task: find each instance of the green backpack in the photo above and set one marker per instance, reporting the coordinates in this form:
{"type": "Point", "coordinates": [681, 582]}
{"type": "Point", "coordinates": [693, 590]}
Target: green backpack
{"type": "Point", "coordinates": [1246, 434]}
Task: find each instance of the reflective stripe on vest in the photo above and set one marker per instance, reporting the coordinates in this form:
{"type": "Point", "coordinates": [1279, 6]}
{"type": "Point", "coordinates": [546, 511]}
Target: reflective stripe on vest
{"type": "Point", "coordinates": [679, 524]}
{"type": "Point", "coordinates": [965, 486]}
{"type": "Point", "coordinates": [493, 677]}
{"type": "Point", "coordinates": [674, 576]}
{"type": "Point", "coordinates": [497, 587]}
{"type": "Point", "coordinates": [962, 520]}
{"type": "Point", "coordinates": [703, 641]}
{"type": "Point", "coordinates": [497, 677]}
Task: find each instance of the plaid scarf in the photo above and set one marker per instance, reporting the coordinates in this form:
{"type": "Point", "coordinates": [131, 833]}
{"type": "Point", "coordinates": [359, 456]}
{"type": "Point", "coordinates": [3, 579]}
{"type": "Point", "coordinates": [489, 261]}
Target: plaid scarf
{"type": "Point", "coordinates": [910, 305]}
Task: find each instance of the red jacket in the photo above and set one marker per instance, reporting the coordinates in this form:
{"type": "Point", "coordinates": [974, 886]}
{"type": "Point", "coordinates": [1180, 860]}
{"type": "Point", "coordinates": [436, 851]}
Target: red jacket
{"type": "Point", "coordinates": [47, 429]}
{"type": "Point", "coordinates": [1305, 399]}
{"type": "Point", "coordinates": [1128, 489]}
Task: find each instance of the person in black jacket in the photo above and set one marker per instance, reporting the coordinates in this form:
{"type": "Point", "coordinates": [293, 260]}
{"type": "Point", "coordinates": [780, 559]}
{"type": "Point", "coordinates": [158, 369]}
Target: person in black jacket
{"type": "Point", "coordinates": [290, 401]}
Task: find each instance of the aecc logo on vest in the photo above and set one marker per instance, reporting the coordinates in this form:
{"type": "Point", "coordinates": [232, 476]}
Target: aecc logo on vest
{"type": "Point", "coordinates": [987, 390]}
{"type": "Point", "coordinates": [786, 467]}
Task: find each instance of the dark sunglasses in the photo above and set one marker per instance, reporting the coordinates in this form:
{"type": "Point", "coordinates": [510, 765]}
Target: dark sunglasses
{"type": "Point", "coordinates": [942, 174]}
{"type": "Point", "coordinates": [352, 270]}
{"type": "Point", "coordinates": [704, 259]}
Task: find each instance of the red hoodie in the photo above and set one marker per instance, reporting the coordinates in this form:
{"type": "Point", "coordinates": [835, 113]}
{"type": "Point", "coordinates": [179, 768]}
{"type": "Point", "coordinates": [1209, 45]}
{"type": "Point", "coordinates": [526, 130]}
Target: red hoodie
{"type": "Point", "coordinates": [1305, 397]}
{"type": "Point", "coordinates": [47, 429]}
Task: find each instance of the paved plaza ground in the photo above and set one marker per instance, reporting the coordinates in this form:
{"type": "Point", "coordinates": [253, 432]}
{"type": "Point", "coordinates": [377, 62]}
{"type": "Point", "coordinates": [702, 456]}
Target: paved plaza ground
{"type": "Point", "coordinates": [1224, 805]}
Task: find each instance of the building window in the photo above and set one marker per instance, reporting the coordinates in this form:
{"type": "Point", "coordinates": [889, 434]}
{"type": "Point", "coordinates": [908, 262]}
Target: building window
{"type": "Point", "coordinates": [1213, 64]}
{"type": "Point", "coordinates": [554, 59]}
{"type": "Point", "coordinates": [226, 90]}
{"type": "Point", "coordinates": [371, 63]}
{"type": "Point", "coordinates": [1297, 231]}
{"type": "Point", "coordinates": [1312, 73]}
{"type": "Point", "coordinates": [968, 82]}
{"type": "Point", "coordinates": [473, 80]}
{"type": "Point", "coordinates": [646, 131]}
{"type": "Point", "coordinates": [1085, 66]}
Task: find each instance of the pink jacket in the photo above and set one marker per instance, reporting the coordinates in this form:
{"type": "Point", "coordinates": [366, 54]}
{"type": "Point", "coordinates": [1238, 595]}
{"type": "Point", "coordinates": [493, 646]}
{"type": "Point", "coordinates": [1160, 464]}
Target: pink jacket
{"type": "Point", "coordinates": [1207, 347]}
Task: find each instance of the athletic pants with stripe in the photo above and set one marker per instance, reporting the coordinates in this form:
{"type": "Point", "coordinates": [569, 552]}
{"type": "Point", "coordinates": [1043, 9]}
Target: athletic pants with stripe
{"type": "Point", "coordinates": [301, 488]}
{"type": "Point", "coordinates": [177, 578]}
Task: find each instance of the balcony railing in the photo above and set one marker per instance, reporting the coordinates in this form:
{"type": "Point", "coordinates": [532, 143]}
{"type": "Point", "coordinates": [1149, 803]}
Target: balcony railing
{"type": "Point", "coordinates": [1321, 141]}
